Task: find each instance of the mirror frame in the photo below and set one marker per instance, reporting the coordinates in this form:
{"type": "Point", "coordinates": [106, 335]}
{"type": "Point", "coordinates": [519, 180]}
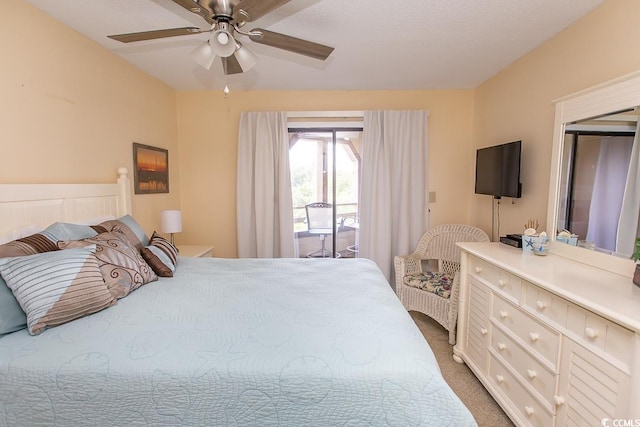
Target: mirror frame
{"type": "Point", "coordinates": [615, 95]}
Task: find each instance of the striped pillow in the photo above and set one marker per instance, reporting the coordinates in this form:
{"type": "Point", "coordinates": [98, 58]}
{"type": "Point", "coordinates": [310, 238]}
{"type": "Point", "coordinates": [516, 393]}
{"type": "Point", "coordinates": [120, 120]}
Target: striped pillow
{"type": "Point", "coordinates": [161, 255]}
{"type": "Point", "coordinates": [56, 287]}
{"type": "Point", "coordinates": [34, 244]}
{"type": "Point", "coordinates": [12, 318]}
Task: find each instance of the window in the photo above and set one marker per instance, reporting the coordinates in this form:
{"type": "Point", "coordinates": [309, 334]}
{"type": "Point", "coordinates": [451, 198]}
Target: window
{"type": "Point", "coordinates": [325, 167]}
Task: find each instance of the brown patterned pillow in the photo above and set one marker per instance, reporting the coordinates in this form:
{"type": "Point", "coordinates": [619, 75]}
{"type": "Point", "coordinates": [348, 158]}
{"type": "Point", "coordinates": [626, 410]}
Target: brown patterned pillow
{"type": "Point", "coordinates": [161, 255]}
{"type": "Point", "coordinates": [123, 268]}
{"type": "Point", "coordinates": [129, 226]}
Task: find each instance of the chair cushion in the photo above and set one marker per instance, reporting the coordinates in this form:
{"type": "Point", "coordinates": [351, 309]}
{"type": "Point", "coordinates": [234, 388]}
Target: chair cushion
{"type": "Point", "coordinates": [430, 281]}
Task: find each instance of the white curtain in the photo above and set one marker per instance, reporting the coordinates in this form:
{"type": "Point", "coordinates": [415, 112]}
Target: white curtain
{"type": "Point", "coordinates": [393, 198]}
{"type": "Point", "coordinates": [264, 205]}
{"type": "Point", "coordinates": [606, 198]}
{"type": "Point", "coordinates": [629, 224]}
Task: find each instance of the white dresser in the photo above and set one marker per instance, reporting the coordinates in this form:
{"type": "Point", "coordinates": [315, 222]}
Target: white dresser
{"type": "Point", "coordinates": [556, 342]}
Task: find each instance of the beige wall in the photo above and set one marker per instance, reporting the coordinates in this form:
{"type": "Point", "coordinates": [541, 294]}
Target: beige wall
{"type": "Point", "coordinates": [517, 102]}
{"type": "Point", "coordinates": [208, 133]}
{"type": "Point", "coordinates": [71, 109]}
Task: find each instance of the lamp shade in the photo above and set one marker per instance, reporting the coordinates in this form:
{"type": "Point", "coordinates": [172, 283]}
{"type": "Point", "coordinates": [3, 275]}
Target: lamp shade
{"type": "Point", "coordinates": [204, 55]}
{"type": "Point", "coordinates": [246, 59]}
{"type": "Point", "coordinates": [171, 221]}
{"type": "Point", "coordinates": [222, 41]}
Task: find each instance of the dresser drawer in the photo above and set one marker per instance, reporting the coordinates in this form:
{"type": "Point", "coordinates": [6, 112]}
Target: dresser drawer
{"type": "Point", "coordinates": [590, 327]}
{"type": "Point", "coordinates": [597, 331]}
{"type": "Point", "coordinates": [527, 407]}
{"type": "Point", "coordinates": [546, 305]}
{"type": "Point", "coordinates": [508, 284]}
{"type": "Point", "coordinates": [531, 332]}
{"type": "Point", "coordinates": [480, 269]}
{"type": "Point", "coordinates": [533, 372]}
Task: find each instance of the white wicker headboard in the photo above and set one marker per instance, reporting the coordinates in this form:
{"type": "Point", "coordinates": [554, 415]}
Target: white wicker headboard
{"type": "Point", "coordinates": [23, 205]}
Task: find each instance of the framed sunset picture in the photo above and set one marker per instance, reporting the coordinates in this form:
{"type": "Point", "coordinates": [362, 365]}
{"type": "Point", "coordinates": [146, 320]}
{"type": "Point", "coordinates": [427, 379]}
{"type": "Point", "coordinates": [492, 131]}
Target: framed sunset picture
{"type": "Point", "coordinates": [151, 169]}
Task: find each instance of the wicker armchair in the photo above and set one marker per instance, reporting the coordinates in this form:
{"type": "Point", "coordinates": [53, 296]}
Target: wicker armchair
{"type": "Point", "coordinates": [437, 248]}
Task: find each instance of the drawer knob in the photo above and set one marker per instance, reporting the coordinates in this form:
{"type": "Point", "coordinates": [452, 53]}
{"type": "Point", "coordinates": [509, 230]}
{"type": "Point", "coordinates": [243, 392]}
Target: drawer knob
{"type": "Point", "coordinates": [531, 373]}
{"type": "Point", "coordinates": [534, 336]}
{"type": "Point", "coordinates": [500, 378]}
{"type": "Point", "coordinates": [484, 331]}
{"type": "Point", "coordinates": [541, 305]}
{"type": "Point", "coordinates": [502, 345]}
{"type": "Point", "coordinates": [502, 283]}
{"type": "Point", "coordinates": [478, 270]}
{"type": "Point", "coordinates": [591, 333]}
{"type": "Point", "coordinates": [529, 410]}
{"type": "Point", "coordinates": [503, 314]}
{"type": "Point", "coordinates": [559, 400]}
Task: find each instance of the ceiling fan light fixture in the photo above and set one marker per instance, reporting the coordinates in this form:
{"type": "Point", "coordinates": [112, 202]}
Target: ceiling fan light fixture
{"type": "Point", "coordinates": [222, 37]}
{"type": "Point", "coordinates": [204, 55]}
{"type": "Point", "coordinates": [226, 18]}
{"type": "Point", "coordinates": [222, 41]}
{"type": "Point", "coordinates": [246, 59]}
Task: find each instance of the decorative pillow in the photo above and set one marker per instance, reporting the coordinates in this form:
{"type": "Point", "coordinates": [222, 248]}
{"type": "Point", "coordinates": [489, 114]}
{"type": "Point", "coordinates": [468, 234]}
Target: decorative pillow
{"type": "Point", "coordinates": [161, 255]}
{"type": "Point", "coordinates": [56, 287]}
{"type": "Point", "coordinates": [69, 231]}
{"type": "Point", "coordinates": [431, 281]}
{"type": "Point", "coordinates": [12, 318]}
{"type": "Point", "coordinates": [131, 228]}
{"type": "Point", "coordinates": [122, 266]}
{"type": "Point", "coordinates": [30, 245]}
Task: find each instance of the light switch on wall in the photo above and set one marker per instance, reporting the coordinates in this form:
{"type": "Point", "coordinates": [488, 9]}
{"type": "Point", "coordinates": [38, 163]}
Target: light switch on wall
{"type": "Point", "coordinates": [432, 196]}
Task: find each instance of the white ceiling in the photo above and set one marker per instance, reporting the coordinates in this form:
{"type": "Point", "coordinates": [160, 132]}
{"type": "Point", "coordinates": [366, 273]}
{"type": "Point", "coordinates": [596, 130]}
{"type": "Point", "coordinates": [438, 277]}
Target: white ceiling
{"type": "Point", "coordinates": [404, 44]}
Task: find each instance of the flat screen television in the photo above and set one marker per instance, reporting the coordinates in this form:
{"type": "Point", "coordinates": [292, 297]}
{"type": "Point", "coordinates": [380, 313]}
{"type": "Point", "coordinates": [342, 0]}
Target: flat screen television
{"type": "Point", "coordinates": [498, 170]}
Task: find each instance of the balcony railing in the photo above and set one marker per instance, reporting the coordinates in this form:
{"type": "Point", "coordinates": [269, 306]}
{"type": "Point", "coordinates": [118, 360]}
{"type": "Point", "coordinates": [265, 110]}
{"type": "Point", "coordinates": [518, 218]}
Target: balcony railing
{"type": "Point", "coordinates": [345, 212]}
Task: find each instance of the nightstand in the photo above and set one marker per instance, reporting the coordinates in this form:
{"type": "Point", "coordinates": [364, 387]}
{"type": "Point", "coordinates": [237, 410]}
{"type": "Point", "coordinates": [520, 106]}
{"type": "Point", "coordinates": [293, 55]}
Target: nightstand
{"type": "Point", "coordinates": [195, 251]}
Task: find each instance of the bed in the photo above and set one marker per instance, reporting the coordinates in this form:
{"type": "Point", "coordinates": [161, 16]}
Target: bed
{"type": "Point", "coordinates": [239, 342]}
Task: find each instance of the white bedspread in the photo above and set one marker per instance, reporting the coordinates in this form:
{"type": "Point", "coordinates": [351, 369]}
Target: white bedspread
{"type": "Point", "coordinates": [290, 342]}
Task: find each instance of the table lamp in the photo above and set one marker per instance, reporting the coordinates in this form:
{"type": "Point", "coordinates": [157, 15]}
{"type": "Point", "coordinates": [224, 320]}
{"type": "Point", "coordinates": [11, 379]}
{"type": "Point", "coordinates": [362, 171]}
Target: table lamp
{"type": "Point", "coordinates": [171, 222]}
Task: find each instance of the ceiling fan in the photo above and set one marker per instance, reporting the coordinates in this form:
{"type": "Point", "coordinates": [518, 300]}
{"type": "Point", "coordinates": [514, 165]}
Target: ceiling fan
{"type": "Point", "coordinates": [227, 17]}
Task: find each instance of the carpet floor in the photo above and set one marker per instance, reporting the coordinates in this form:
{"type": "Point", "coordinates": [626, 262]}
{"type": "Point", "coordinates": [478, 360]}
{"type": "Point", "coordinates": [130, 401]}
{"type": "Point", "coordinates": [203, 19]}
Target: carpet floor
{"type": "Point", "coordinates": [459, 377]}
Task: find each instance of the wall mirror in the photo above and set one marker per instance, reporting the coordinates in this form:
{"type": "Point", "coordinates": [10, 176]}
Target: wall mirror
{"type": "Point", "coordinates": [594, 183]}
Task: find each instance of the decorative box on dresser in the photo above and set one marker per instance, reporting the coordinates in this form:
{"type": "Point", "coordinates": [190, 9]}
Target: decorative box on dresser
{"type": "Point", "coordinates": [556, 342]}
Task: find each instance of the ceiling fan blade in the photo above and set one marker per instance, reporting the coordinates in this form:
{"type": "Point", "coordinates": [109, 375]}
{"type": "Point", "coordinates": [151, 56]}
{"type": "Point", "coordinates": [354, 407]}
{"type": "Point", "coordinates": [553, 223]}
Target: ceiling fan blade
{"type": "Point", "coordinates": [195, 7]}
{"type": "Point", "coordinates": [292, 44]}
{"type": "Point", "coordinates": [254, 9]}
{"type": "Point", "coordinates": [231, 65]}
{"type": "Point", "coordinates": [156, 34]}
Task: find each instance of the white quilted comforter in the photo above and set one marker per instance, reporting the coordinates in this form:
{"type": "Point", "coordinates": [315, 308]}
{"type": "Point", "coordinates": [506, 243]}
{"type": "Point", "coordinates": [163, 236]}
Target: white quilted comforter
{"type": "Point", "coordinates": [237, 342]}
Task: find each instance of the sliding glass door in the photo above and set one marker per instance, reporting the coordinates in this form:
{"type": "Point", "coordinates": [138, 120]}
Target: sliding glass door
{"type": "Point", "coordinates": [325, 172]}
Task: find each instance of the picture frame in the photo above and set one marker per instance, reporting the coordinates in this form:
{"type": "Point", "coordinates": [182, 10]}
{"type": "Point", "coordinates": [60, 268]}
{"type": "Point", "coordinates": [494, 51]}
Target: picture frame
{"type": "Point", "coordinates": [150, 169]}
